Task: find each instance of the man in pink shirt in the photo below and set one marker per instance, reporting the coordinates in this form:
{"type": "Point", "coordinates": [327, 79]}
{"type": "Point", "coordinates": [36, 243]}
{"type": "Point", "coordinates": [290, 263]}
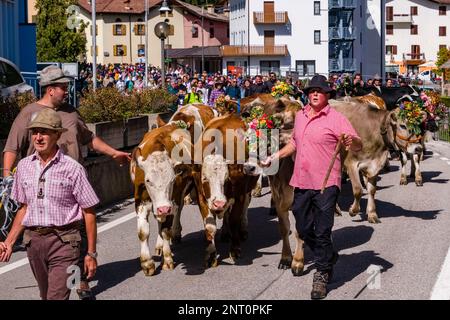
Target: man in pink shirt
{"type": "Point", "coordinates": [54, 194]}
{"type": "Point", "coordinates": [317, 130]}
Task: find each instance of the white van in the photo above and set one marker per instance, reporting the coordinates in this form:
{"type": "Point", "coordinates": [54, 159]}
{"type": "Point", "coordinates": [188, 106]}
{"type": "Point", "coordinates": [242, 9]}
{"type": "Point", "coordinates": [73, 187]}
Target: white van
{"type": "Point", "coordinates": [425, 76]}
{"type": "Point", "coordinates": [11, 81]}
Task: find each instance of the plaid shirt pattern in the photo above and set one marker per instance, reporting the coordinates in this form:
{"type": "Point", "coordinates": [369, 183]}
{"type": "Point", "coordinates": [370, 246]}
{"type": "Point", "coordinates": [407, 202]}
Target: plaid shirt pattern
{"type": "Point", "coordinates": [54, 194]}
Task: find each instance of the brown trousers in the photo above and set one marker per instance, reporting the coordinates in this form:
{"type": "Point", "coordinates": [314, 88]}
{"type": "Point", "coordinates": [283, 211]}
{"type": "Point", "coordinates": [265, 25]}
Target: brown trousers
{"type": "Point", "coordinates": [50, 256]}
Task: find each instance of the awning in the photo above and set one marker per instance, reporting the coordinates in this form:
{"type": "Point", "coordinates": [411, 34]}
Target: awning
{"type": "Point", "coordinates": [428, 64]}
{"type": "Point", "coordinates": [208, 52]}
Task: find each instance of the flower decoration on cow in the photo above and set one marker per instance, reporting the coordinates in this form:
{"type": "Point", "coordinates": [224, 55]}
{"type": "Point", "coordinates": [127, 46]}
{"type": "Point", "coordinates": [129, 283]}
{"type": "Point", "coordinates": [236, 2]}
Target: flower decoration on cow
{"type": "Point", "coordinates": [259, 132]}
{"type": "Point", "coordinates": [412, 112]}
{"type": "Point", "coordinates": [281, 89]}
{"type": "Point", "coordinates": [224, 105]}
{"type": "Point", "coordinates": [436, 109]}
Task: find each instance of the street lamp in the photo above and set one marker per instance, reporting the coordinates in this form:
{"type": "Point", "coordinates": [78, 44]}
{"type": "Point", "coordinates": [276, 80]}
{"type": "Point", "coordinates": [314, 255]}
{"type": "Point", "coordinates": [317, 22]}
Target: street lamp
{"type": "Point", "coordinates": [162, 31]}
{"type": "Point", "coordinates": [146, 45]}
{"type": "Point", "coordinates": [164, 7]}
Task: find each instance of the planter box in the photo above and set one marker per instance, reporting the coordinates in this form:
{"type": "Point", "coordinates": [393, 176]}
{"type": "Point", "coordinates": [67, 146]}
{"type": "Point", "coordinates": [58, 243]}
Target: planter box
{"type": "Point", "coordinates": [135, 130]}
{"type": "Point", "coordinates": [110, 132]}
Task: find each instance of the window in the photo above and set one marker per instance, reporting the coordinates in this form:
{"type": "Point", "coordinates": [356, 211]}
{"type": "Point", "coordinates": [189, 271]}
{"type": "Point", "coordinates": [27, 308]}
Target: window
{"type": "Point", "coordinates": [141, 50]}
{"type": "Point", "coordinates": [414, 29]}
{"type": "Point", "coordinates": [414, 11]}
{"type": "Point", "coordinates": [316, 36]}
{"type": "Point", "coordinates": [194, 31]}
{"type": "Point", "coordinates": [120, 50]}
{"type": "Point", "coordinates": [389, 13]}
{"type": "Point", "coordinates": [415, 51]}
{"type": "Point", "coordinates": [317, 8]}
{"type": "Point", "coordinates": [139, 29]}
{"type": "Point", "coordinates": [391, 50]}
{"type": "Point", "coordinates": [305, 67]}
{"type": "Point", "coordinates": [442, 10]}
{"type": "Point", "coordinates": [442, 31]}
{"type": "Point", "coordinates": [119, 30]}
{"type": "Point", "coordinates": [389, 29]}
{"type": "Point", "coordinates": [269, 66]}
{"type": "Point", "coordinates": [9, 75]}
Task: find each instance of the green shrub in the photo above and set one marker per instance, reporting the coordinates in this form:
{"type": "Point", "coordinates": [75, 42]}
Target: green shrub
{"type": "Point", "coordinates": [153, 100]}
{"type": "Point", "coordinates": [10, 108]}
{"type": "Point", "coordinates": [108, 104]}
{"type": "Point", "coordinates": [446, 101]}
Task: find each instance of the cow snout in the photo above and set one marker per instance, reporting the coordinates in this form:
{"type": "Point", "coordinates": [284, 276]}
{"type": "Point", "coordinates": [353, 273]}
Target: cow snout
{"type": "Point", "coordinates": [218, 204]}
{"type": "Point", "coordinates": [164, 210]}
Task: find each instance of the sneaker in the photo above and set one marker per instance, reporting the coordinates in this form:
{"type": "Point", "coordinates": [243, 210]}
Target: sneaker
{"type": "Point", "coordinates": [319, 286]}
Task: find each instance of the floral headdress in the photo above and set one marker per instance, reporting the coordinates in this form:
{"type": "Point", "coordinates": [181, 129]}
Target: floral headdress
{"type": "Point", "coordinates": [281, 89]}
{"type": "Point", "coordinates": [412, 113]}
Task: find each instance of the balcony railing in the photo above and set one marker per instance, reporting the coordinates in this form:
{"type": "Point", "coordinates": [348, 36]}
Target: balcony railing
{"type": "Point", "coordinates": [341, 4]}
{"type": "Point", "coordinates": [344, 33]}
{"type": "Point", "coordinates": [237, 51]}
{"type": "Point", "coordinates": [270, 18]}
{"type": "Point", "coordinates": [401, 18]}
{"type": "Point", "coordinates": [342, 65]}
{"type": "Point", "coordinates": [414, 56]}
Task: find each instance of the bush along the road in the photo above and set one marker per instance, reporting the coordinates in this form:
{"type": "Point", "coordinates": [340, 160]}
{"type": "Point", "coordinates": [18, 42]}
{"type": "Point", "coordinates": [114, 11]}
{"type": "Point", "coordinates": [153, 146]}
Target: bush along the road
{"type": "Point", "coordinates": [108, 104]}
{"type": "Point", "coordinates": [153, 100]}
{"type": "Point", "coordinates": [10, 108]}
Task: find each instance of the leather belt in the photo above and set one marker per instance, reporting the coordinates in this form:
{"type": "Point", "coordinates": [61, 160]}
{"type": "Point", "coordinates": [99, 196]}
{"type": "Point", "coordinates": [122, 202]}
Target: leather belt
{"type": "Point", "coordinates": [54, 229]}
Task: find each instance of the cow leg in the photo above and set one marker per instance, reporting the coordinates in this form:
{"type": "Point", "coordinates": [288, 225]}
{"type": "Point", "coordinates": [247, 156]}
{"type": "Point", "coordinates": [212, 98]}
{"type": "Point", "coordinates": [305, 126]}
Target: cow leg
{"type": "Point", "coordinates": [234, 223]}
{"type": "Point", "coordinates": [285, 226]}
{"type": "Point", "coordinates": [298, 261]}
{"type": "Point", "coordinates": [143, 210]}
{"type": "Point", "coordinates": [256, 192]}
{"type": "Point", "coordinates": [372, 216]}
{"type": "Point", "coordinates": [403, 161]}
{"type": "Point", "coordinates": [415, 163]}
{"type": "Point", "coordinates": [243, 232]}
{"type": "Point", "coordinates": [353, 173]}
{"type": "Point", "coordinates": [164, 231]}
{"type": "Point", "coordinates": [159, 246]}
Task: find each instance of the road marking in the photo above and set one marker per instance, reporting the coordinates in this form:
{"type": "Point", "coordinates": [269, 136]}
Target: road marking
{"type": "Point", "coordinates": [444, 159]}
{"type": "Point", "coordinates": [441, 289]}
{"type": "Point", "coordinates": [103, 228]}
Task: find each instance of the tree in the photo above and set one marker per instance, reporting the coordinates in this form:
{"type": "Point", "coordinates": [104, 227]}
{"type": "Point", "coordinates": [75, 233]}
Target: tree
{"type": "Point", "coordinates": [442, 57]}
{"type": "Point", "coordinates": [55, 41]}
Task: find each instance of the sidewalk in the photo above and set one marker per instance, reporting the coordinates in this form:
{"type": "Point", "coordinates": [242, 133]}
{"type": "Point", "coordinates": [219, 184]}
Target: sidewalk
{"type": "Point", "coordinates": [441, 147]}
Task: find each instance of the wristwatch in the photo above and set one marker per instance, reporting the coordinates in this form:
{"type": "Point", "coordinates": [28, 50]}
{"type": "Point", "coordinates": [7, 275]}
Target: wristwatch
{"type": "Point", "coordinates": [92, 254]}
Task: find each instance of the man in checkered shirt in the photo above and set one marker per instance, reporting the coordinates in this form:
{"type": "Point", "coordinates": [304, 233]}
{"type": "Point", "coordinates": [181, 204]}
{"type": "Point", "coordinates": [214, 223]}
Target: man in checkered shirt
{"type": "Point", "coordinates": [55, 194]}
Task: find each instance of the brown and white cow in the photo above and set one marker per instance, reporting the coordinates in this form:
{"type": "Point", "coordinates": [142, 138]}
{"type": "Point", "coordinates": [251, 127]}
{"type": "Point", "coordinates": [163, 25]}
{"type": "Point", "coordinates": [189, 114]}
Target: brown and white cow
{"type": "Point", "coordinates": [161, 170]}
{"type": "Point", "coordinates": [224, 182]}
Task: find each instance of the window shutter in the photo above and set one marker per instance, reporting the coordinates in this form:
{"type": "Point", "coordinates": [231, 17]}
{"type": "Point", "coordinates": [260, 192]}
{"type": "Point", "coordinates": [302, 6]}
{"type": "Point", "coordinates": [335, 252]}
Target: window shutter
{"type": "Point", "coordinates": [124, 50]}
{"type": "Point", "coordinates": [171, 30]}
{"type": "Point", "coordinates": [115, 50]}
{"type": "Point", "coordinates": [114, 29]}
{"type": "Point", "coordinates": [394, 49]}
{"type": "Point", "coordinates": [124, 29]}
{"type": "Point", "coordinates": [135, 30]}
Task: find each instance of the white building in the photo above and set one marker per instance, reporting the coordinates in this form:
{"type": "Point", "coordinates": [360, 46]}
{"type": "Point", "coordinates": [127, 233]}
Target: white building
{"type": "Point", "coordinates": [305, 36]}
{"type": "Point", "coordinates": [415, 31]}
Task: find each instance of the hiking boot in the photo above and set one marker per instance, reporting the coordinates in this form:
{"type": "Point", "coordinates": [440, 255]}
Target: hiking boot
{"type": "Point", "coordinates": [319, 287]}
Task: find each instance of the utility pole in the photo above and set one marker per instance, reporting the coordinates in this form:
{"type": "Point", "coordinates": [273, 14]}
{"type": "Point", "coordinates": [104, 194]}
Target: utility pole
{"type": "Point", "coordinates": [94, 45]}
{"type": "Point", "coordinates": [203, 43]}
{"type": "Point", "coordinates": [146, 44]}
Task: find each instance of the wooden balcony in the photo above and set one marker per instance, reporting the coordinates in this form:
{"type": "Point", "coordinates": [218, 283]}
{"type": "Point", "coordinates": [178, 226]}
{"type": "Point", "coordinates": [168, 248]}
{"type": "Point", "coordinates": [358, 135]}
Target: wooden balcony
{"type": "Point", "coordinates": [239, 51]}
{"type": "Point", "coordinates": [270, 18]}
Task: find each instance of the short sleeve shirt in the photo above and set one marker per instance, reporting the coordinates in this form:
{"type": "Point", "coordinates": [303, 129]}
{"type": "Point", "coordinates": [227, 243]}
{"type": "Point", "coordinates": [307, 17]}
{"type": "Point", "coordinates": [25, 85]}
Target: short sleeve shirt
{"type": "Point", "coordinates": [19, 138]}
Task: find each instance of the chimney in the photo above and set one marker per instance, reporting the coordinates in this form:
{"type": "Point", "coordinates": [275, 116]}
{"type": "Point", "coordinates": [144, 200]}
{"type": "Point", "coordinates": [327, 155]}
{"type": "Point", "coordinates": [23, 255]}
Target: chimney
{"type": "Point", "coordinates": [210, 8]}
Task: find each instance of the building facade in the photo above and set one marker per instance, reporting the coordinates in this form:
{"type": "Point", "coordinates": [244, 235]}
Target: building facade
{"type": "Point", "coordinates": [17, 35]}
{"type": "Point", "coordinates": [121, 29]}
{"type": "Point", "coordinates": [306, 37]}
{"type": "Point", "coordinates": [415, 31]}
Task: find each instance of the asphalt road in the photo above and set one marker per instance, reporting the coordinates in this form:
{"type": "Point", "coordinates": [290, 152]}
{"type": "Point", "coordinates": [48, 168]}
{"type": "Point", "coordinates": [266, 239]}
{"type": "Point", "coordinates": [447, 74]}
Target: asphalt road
{"type": "Point", "coordinates": [409, 247]}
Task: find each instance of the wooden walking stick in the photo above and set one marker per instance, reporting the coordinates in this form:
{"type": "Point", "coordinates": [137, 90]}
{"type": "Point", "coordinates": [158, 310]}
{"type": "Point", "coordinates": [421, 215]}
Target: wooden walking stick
{"type": "Point", "coordinates": [333, 159]}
